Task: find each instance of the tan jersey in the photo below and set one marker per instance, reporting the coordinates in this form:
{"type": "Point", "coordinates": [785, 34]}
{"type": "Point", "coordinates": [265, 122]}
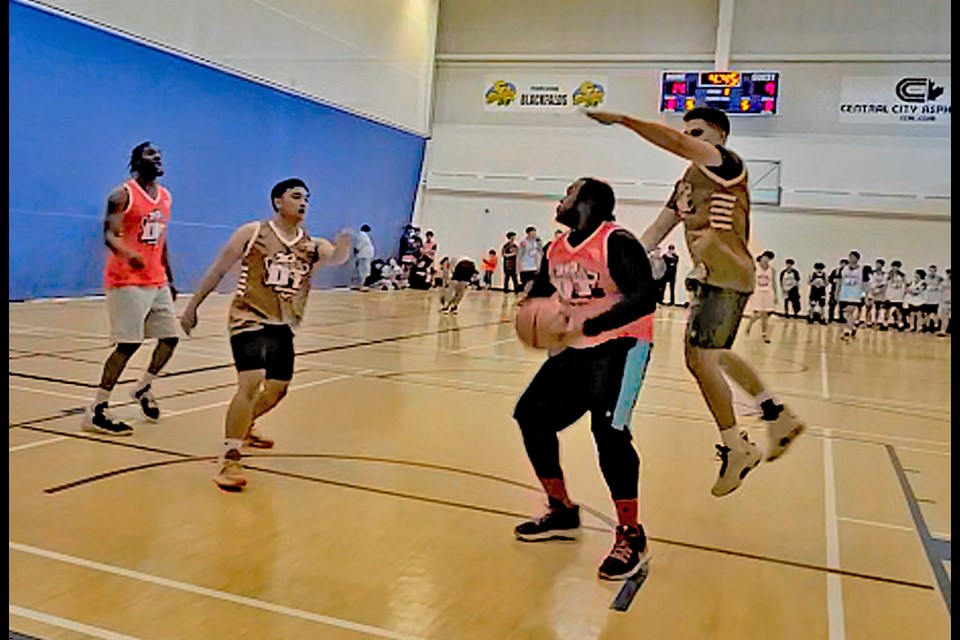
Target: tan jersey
{"type": "Point", "coordinates": [717, 226]}
{"type": "Point", "coordinates": [274, 280]}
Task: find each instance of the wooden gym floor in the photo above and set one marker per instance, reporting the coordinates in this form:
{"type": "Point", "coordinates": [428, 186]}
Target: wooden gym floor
{"type": "Point", "coordinates": [386, 509]}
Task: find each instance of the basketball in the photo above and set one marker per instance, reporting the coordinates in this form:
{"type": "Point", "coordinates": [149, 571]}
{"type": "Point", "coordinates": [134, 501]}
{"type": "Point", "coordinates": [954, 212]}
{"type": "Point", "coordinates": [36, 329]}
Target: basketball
{"type": "Point", "coordinates": [540, 322]}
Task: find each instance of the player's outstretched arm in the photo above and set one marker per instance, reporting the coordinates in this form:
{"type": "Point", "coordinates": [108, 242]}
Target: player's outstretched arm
{"type": "Point", "coordinates": [228, 257]}
{"type": "Point", "coordinates": [676, 142]}
{"type": "Point", "coordinates": [336, 252]}
{"type": "Point", "coordinates": [662, 225]}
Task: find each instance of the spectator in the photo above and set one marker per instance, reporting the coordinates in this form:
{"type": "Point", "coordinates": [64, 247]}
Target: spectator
{"type": "Point", "coordinates": [489, 265]}
{"type": "Point", "coordinates": [509, 254]}
{"type": "Point", "coordinates": [363, 252]}
{"type": "Point", "coordinates": [530, 254]}
{"type": "Point", "coordinates": [790, 286]}
{"type": "Point", "coordinates": [670, 259]}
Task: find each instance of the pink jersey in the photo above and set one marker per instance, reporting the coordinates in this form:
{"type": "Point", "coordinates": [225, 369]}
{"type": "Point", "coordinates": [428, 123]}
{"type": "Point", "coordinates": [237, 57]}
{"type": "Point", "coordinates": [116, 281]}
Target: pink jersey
{"type": "Point", "coordinates": [143, 230]}
{"type": "Point", "coordinates": [582, 278]}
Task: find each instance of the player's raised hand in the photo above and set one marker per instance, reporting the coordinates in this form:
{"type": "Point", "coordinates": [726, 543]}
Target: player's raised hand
{"type": "Point", "coordinates": [604, 117]}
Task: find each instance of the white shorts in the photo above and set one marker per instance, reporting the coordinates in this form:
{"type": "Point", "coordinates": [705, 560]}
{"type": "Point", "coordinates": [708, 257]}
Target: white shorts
{"type": "Point", "coordinates": [137, 313]}
{"type": "Point", "coordinates": [762, 300]}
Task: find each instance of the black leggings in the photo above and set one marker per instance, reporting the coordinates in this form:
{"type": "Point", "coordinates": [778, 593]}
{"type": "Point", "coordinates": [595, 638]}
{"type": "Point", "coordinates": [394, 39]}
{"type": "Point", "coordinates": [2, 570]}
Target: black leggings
{"type": "Point", "coordinates": [604, 380]}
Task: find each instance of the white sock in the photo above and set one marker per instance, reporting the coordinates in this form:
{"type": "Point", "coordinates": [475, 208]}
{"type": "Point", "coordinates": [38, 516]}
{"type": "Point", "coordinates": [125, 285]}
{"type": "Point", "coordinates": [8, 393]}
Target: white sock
{"type": "Point", "coordinates": [147, 378]}
{"type": "Point", "coordinates": [102, 396]}
{"type": "Point", "coordinates": [732, 438]}
{"type": "Point", "coordinates": [765, 395]}
{"type": "Point", "coordinates": [232, 443]}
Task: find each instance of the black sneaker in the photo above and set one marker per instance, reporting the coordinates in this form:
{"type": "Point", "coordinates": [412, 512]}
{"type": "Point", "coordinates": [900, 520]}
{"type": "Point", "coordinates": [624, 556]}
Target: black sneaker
{"type": "Point", "coordinates": [559, 523]}
{"type": "Point", "coordinates": [630, 552]}
{"type": "Point", "coordinates": [148, 404]}
{"type": "Point", "coordinates": [96, 420]}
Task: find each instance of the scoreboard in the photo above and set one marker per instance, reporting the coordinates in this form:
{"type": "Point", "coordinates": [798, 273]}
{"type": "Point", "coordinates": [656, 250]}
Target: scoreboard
{"type": "Point", "coordinates": [751, 93]}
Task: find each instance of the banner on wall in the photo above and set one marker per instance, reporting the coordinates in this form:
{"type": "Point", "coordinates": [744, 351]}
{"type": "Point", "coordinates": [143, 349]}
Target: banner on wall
{"type": "Point", "coordinates": [517, 93]}
{"type": "Point", "coordinates": [914, 99]}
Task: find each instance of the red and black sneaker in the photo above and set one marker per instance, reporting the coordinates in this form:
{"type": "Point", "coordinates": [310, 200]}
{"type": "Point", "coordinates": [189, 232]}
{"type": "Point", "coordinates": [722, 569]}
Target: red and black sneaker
{"type": "Point", "coordinates": [559, 523]}
{"type": "Point", "coordinates": [630, 552]}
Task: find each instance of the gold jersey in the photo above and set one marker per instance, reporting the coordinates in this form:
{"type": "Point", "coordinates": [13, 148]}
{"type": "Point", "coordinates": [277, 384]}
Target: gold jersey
{"type": "Point", "coordinates": [716, 220]}
{"type": "Point", "coordinates": [274, 280]}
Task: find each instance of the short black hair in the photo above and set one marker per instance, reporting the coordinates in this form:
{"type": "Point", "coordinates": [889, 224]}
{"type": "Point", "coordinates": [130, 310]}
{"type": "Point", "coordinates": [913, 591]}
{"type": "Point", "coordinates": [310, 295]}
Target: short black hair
{"type": "Point", "coordinates": [856, 254]}
{"type": "Point", "coordinates": [881, 261]}
{"type": "Point", "coordinates": [283, 186]}
{"type": "Point", "coordinates": [819, 265]}
{"type": "Point", "coordinates": [511, 234]}
{"type": "Point", "coordinates": [365, 227]}
{"type": "Point", "coordinates": [137, 155]}
{"type": "Point", "coordinates": [429, 232]}
{"type": "Point", "coordinates": [844, 261]}
{"type": "Point", "coordinates": [529, 229]}
{"type": "Point", "coordinates": [921, 273]}
{"type": "Point", "coordinates": [896, 263]}
{"type": "Point", "coordinates": [789, 261]}
{"type": "Point", "coordinates": [600, 196]}
{"type": "Point", "coordinates": [933, 266]}
{"type": "Point", "coordinates": [769, 254]}
{"type": "Point", "coordinates": [710, 115]}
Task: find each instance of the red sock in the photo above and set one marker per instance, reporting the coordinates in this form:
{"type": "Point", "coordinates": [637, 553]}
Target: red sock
{"type": "Point", "coordinates": [627, 512]}
{"type": "Point", "coordinates": [556, 490]}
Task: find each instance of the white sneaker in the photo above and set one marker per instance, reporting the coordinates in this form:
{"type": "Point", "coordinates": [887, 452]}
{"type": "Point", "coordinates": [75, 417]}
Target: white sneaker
{"type": "Point", "coordinates": [735, 465]}
{"type": "Point", "coordinates": [782, 432]}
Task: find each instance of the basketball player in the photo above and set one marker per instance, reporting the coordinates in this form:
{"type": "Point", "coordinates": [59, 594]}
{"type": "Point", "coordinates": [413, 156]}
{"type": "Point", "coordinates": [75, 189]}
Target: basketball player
{"type": "Point", "coordinates": [138, 282]}
{"type": "Point", "coordinates": [818, 294]}
{"type": "Point", "coordinates": [764, 300]}
{"type": "Point", "coordinates": [712, 200]}
{"type": "Point", "coordinates": [931, 300]}
{"type": "Point", "coordinates": [602, 276]}
{"type": "Point", "coordinates": [277, 258]}
{"type": "Point", "coordinates": [913, 300]}
{"type": "Point", "coordinates": [852, 291]}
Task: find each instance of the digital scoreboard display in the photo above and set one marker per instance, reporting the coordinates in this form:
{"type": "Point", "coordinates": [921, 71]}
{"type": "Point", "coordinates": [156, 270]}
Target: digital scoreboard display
{"type": "Point", "coordinates": [750, 93]}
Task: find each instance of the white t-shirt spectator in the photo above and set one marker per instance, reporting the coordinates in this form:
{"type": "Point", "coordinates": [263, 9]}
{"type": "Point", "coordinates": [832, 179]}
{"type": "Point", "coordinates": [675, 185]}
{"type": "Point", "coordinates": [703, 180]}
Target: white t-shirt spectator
{"type": "Point", "coordinates": [363, 243]}
{"type": "Point", "coordinates": [530, 254]}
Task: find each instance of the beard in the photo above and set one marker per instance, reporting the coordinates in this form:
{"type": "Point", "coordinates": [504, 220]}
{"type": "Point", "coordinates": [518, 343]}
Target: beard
{"type": "Point", "coordinates": [568, 217]}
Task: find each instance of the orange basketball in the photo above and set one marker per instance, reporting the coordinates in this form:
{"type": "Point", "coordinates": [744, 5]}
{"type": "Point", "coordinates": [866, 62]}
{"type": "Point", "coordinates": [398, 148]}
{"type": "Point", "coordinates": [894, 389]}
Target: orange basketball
{"type": "Point", "coordinates": [540, 322]}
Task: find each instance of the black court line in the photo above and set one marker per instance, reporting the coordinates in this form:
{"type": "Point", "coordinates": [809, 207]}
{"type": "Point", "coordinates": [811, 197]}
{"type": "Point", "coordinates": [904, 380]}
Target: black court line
{"type": "Point", "coordinates": [19, 636]}
{"type": "Point", "coordinates": [427, 499]}
{"type": "Point", "coordinates": [931, 546]}
{"type": "Point", "coordinates": [307, 352]}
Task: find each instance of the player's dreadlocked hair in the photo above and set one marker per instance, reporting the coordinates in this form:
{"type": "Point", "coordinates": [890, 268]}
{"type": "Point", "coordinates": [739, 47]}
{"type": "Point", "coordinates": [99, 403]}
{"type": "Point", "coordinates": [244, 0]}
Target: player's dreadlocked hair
{"type": "Point", "coordinates": [137, 155]}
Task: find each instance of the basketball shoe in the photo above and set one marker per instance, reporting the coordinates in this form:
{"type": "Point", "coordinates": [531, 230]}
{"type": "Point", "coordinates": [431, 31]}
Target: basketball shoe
{"type": "Point", "coordinates": [630, 552]}
{"type": "Point", "coordinates": [735, 464]}
{"type": "Point", "coordinates": [559, 523]}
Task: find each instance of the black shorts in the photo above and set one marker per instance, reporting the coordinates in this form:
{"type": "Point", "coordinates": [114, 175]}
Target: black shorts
{"type": "Point", "coordinates": [715, 315]}
{"type": "Point", "coordinates": [269, 348]}
{"type": "Point", "coordinates": [890, 304]}
{"type": "Point", "coordinates": [845, 304]}
{"type": "Point", "coordinates": [929, 308]}
{"type": "Point", "coordinates": [818, 295]}
{"type": "Point", "coordinates": [604, 380]}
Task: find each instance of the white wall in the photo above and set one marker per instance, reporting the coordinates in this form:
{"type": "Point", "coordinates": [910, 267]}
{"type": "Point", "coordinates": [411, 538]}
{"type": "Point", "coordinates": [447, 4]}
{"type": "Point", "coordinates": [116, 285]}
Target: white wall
{"type": "Point", "coordinates": [882, 189]}
{"type": "Point", "coordinates": [471, 224]}
{"type": "Point", "coordinates": [372, 57]}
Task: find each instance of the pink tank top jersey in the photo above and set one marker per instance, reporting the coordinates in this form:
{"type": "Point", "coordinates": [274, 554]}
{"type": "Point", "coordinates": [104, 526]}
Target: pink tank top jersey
{"type": "Point", "coordinates": [143, 230]}
{"type": "Point", "coordinates": [582, 278]}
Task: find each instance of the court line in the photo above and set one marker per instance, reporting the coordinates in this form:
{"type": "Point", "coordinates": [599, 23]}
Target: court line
{"type": "Point", "coordinates": [65, 623]}
{"type": "Point", "coordinates": [473, 507]}
{"type": "Point", "coordinates": [484, 345]}
{"type": "Point", "coordinates": [885, 525]}
{"type": "Point", "coordinates": [824, 383]}
{"type": "Point", "coordinates": [212, 593]}
{"type": "Point", "coordinates": [44, 392]}
{"type": "Point", "coordinates": [835, 622]}
{"type": "Point", "coordinates": [929, 543]}
{"type": "Point", "coordinates": [39, 443]}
